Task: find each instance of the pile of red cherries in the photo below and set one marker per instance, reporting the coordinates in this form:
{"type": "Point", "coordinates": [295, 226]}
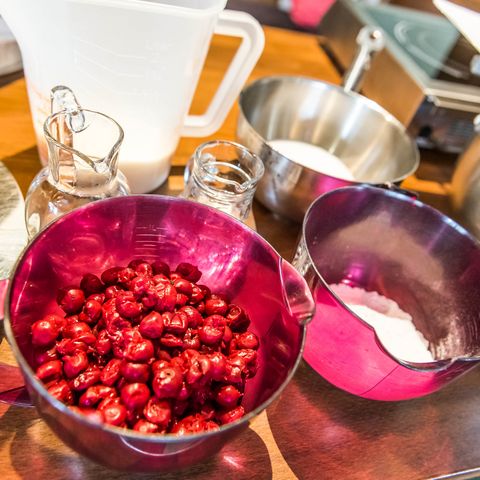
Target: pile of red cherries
{"type": "Point", "coordinates": [147, 348]}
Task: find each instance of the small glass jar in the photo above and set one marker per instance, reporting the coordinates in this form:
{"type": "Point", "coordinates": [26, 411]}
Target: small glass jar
{"type": "Point", "coordinates": [83, 148]}
{"type": "Point", "coordinates": [224, 175]}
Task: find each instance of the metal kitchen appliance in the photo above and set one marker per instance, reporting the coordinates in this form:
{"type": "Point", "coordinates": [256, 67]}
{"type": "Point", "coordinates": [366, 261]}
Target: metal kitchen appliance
{"type": "Point", "coordinates": [428, 75]}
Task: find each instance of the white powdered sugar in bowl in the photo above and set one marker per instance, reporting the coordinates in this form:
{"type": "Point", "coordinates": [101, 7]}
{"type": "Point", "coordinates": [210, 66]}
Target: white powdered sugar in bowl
{"type": "Point", "coordinates": [394, 327]}
{"type": "Point", "coordinates": [313, 157]}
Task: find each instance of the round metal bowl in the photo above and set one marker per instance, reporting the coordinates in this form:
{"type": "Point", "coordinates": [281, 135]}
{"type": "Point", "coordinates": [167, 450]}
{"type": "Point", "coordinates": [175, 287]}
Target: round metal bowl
{"type": "Point", "coordinates": [370, 141]}
{"type": "Point", "coordinates": [386, 242]}
{"type": "Point", "coordinates": [234, 260]}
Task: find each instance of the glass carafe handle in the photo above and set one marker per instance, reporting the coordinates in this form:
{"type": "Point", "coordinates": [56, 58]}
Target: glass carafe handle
{"type": "Point", "coordinates": [63, 99]}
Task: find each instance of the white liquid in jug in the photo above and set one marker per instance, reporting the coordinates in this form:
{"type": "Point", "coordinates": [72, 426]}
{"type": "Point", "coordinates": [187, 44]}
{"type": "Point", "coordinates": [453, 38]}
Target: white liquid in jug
{"type": "Point", "coordinates": [313, 157]}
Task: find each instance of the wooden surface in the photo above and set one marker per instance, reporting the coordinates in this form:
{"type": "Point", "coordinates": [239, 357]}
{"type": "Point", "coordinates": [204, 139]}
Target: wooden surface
{"type": "Point", "coordinates": [314, 431]}
{"type": "Point", "coordinates": [471, 4]}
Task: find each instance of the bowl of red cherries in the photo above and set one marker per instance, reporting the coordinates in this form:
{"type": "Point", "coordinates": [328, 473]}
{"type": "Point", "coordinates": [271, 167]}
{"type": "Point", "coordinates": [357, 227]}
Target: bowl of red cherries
{"type": "Point", "coordinates": [151, 330]}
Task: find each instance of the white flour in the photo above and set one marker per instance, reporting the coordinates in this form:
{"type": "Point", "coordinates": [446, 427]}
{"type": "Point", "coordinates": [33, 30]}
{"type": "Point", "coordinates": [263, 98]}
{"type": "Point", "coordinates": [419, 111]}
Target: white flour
{"type": "Point", "coordinates": [312, 156]}
{"type": "Point", "coordinates": [393, 326]}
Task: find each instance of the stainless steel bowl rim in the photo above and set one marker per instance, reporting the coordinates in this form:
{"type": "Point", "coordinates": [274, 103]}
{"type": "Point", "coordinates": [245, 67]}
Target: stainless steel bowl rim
{"type": "Point", "coordinates": [321, 83]}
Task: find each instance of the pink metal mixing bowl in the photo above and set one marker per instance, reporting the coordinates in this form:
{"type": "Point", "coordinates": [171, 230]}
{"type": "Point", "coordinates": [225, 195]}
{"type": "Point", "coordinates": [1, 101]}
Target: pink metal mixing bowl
{"type": "Point", "coordinates": [234, 260]}
{"type": "Point", "coordinates": [409, 252]}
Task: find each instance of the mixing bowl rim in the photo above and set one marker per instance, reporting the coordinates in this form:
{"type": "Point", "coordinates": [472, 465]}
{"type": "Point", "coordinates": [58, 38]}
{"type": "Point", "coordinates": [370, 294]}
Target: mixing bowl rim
{"type": "Point", "coordinates": [372, 105]}
{"type": "Point", "coordinates": [436, 365]}
{"type": "Point", "coordinates": [168, 438]}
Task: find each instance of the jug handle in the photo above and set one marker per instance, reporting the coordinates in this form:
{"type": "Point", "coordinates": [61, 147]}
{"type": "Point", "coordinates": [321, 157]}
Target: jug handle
{"type": "Point", "coordinates": [12, 390]}
{"type": "Point", "coordinates": [236, 24]}
{"type": "Point", "coordinates": [297, 294]}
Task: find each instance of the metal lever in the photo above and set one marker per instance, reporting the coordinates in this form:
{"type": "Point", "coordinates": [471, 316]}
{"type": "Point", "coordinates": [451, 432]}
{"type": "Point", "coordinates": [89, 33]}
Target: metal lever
{"type": "Point", "coordinates": [370, 40]}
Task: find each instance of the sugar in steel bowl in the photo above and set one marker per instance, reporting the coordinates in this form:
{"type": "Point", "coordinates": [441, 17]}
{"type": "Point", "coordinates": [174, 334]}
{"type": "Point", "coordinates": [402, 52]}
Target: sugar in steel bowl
{"type": "Point", "coordinates": [314, 137]}
{"type": "Point", "coordinates": [369, 141]}
{"type": "Point", "coordinates": [235, 261]}
{"type": "Point", "coordinates": [392, 244]}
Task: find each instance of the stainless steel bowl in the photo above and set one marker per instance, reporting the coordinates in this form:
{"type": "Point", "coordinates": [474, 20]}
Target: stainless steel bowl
{"type": "Point", "coordinates": [370, 141]}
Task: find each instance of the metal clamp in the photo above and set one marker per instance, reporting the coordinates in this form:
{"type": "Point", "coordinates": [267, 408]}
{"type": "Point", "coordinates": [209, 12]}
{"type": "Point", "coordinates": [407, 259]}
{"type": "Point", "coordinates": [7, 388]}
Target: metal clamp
{"type": "Point", "coordinates": [370, 40]}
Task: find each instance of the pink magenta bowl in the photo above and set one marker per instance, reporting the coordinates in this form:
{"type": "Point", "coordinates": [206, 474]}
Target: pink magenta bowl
{"type": "Point", "coordinates": [393, 244]}
{"type": "Point", "coordinates": [234, 260]}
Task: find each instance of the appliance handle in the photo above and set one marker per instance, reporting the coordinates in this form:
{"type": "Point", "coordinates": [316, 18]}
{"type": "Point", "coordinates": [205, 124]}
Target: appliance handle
{"type": "Point", "coordinates": [235, 24]}
{"type": "Point", "coordinates": [370, 41]}
{"type": "Point", "coordinates": [464, 105]}
{"type": "Point", "coordinates": [12, 389]}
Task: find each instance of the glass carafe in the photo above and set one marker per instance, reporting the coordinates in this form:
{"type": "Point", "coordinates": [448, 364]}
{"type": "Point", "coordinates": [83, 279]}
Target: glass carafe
{"type": "Point", "coordinates": [224, 175]}
{"type": "Point", "coordinates": [83, 148]}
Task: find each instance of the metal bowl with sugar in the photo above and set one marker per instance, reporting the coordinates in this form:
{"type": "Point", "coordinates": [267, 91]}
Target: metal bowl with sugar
{"type": "Point", "coordinates": [371, 143]}
{"type": "Point", "coordinates": [340, 127]}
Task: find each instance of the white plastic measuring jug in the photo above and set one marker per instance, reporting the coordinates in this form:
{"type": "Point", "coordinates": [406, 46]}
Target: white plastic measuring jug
{"type": "Point", "coordinates": [139, 62]}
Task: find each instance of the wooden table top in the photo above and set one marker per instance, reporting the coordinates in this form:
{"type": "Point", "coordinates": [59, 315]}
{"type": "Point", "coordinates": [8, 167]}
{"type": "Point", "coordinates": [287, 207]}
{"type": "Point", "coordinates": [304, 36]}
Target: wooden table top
{"type": "Point", "coordinates": [314, 431]}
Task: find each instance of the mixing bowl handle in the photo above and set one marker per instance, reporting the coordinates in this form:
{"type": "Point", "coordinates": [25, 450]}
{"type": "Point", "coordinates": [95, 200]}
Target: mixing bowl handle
{"type": "Point", "coordinates": [297, 294]}
{"type": "Point", "coordinates": [12, 390]}
{"type": "Point", "coordinates": [403, 191]}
